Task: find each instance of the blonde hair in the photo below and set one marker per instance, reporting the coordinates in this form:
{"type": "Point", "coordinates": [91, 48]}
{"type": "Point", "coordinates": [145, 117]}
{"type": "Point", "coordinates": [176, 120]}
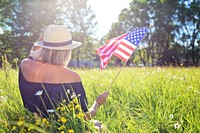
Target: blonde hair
{"type": "Point", "coordinates": [56, 57]}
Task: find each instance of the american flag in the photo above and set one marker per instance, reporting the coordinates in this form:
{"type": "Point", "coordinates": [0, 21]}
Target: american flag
{"type": "Point", "coordinates": [129, 43]}
{"type": "Point", "coordinates": [122, 46]}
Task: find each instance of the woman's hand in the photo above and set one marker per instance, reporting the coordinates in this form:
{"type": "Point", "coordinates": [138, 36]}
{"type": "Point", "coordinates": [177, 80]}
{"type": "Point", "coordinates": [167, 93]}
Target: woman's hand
{"type": "Point", "coordinates": [101, 99]}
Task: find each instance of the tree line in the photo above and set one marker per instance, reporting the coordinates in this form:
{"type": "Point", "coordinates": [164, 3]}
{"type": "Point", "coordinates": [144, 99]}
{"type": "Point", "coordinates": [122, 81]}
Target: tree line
{"type": "Point", "coordinates": [174, 38]}
{"type": "Point", "coordinates": [22, 21]}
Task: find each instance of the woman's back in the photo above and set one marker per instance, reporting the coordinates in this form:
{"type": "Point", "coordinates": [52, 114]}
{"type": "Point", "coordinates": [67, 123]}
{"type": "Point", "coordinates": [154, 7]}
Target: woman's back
{"type": "Point", "coordinates": [43, 86]}
{"type": "Point", "coordinates": [35, 71]}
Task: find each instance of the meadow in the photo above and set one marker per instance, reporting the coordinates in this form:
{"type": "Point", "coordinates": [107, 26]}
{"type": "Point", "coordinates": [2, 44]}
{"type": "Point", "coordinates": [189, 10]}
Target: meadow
{"type": "Point", "coordinates": [141, 100]}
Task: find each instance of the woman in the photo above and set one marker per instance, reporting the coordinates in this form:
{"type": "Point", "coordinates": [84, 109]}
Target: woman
{"type": "Point", "coordinates": [45, 75]}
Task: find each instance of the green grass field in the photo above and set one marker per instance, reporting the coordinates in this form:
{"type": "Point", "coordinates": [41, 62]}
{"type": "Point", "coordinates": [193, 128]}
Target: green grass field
{"type": "Point", "coordinates": [141, 100]}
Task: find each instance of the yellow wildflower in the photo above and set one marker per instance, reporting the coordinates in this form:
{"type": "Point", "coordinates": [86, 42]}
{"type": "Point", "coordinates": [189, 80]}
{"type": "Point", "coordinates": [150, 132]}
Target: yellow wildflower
{"type": "Point", "coordinates": [63, 119]}
{"type": "Point", "coordinates": [13, 128]}
{"type": "Point", "coordinates": [70, 106]}
{"type": "Point", "coordinates": [45, 121]}
{"type": "Point", "coordinates": [21, 118]}
{"type": "Point", "coordinates": [62, 132]}
{"type": "Point", "coordinates": [64, 100]}
{"type": "Point", "coordinates": [37, 122]}
{"type": "Point", "coordinates": [23, 131]}
{"type": "Point", "coordinates": [20, 123]}
{"type": "Point", "coordinates": [77, 106]}
{"type": "Point", "coordinates": [30, 128]}
{"type": "Point", "coordinates": [70, 131]}
{"type": "Point", "coordinates": [62, 127]}
{"type": "Point", "coordinates": [80, 115]}
{"type": "Point", "coordinates": [62, 108]}
{"type": "Point", "coordinates": [6, 124]}
{"type": "Point", "coordinates": [58, 108]}
{"type": "Point", "coordinates": [75, 100]}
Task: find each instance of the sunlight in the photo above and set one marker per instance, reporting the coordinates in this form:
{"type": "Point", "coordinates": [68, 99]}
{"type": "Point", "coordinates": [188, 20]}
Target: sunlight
{"type": "Point", "coordinates": [107, 12]}
{"type": "Point", "coordinates": [1, 30]}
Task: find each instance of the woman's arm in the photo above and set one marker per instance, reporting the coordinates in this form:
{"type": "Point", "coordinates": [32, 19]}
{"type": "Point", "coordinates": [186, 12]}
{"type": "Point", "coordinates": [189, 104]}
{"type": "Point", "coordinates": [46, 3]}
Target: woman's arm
{"type": "Point", "coordinates": [101, 99]}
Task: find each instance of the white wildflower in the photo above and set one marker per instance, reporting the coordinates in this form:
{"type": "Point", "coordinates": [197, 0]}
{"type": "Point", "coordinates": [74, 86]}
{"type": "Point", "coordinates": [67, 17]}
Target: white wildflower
{"type": "Point", "coordinates": [101, 84]}
{"type": "Point", "coordinates": [38, 93]}
{"type": "Point", "coordinates": [174, 77]}
{"type": "Point", "coordinates": [68, 91]}
{"type": "Point", "coordinates": [73, 95]}
{"type": "Point", "coordinates": [196, 91]}
{"type": "Point", "coordinates": [171, 116]}
{"type": "Point", "coordinates": [15, 59]}
{"type": "Point", "coordinates": [50, 110]}
{"type": "Point", "coordinates": [2, 99]}
{"type": "Point", "coordinates": [189, 88]}
{"type": "Point", "coordinates": [153, 72]}
{"type": "Point", "coordinates": [176, 125]}
{"type": "Point", "coordinates": [1, 90]}
{"type": "Point", "coordinates": [82, 72]}
{"type": "Point", "coordinates": [92, 77]}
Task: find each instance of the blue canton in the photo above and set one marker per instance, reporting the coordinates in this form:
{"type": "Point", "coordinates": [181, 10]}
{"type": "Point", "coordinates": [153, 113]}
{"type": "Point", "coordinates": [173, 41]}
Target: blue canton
{"type": "Point", "coordinates": [135, 36]}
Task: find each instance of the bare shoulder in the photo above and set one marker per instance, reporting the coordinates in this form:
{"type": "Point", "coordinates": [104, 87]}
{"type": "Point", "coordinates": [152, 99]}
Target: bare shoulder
{"type": "Point", "coordinates": [26, 63]}
{"type": "Point", "coordinates": [74, 76]}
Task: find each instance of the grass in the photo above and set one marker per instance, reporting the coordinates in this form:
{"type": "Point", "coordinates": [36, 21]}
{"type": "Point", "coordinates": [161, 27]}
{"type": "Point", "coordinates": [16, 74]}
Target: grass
{"type": "Point", "coordinates": [141, 100]}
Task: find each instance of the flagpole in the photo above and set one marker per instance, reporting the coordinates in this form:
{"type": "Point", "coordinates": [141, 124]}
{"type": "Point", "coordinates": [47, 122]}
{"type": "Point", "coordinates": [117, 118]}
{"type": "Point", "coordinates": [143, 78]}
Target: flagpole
{"type": "Point", "coordinates": [120, 70]}
{"type": "Point", "coordinates": [117, 75]}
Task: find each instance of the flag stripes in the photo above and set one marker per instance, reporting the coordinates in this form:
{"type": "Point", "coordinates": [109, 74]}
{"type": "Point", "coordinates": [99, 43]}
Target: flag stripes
{"type": "Point", "coordinates": [124, 50]}
{"type": "Point", "coordinates": [121, 55]}
{"type": "Point", "coordinates": [106, 51]}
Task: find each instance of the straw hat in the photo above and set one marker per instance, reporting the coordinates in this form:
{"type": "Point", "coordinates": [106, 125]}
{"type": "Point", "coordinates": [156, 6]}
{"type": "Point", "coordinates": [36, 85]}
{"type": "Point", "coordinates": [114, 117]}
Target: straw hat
{"type": "Point", "coordinates": [57, 37]}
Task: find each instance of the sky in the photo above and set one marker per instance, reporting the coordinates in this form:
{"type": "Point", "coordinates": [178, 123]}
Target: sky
{"type": "Point", "coordinates": [107, 12]}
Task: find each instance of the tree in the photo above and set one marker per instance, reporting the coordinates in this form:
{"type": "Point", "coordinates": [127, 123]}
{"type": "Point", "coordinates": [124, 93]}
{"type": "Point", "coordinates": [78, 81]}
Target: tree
{"type": "Point", "coordinates": [169, 18]}
{"type": "Point", "coordinates": [21, 21]}
{"type": "Point", "coordinates": [188, 32]}
{"type": "Point", "coordinates": [81, 20]}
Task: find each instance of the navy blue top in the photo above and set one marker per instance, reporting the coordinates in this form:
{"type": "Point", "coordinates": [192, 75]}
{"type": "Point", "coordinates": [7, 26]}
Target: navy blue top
{"type": "Point", "coordinates": [34, 94]}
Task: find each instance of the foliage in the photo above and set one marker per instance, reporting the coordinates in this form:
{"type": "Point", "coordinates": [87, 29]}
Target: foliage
{"type": "Point", "coordinates": [82, 22]}
{"type": "Point", "coordinates": [22, 21]}
{"type": "Point", "coordinates": [65, 119]}
{"type": "Point", "coordinates": [189, 28]}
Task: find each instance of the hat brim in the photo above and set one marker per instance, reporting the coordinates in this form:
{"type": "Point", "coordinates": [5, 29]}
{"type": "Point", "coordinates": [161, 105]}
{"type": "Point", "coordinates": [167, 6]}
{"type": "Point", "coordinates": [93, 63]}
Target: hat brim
{"type": "Point", "coordinates": [74, 45]}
